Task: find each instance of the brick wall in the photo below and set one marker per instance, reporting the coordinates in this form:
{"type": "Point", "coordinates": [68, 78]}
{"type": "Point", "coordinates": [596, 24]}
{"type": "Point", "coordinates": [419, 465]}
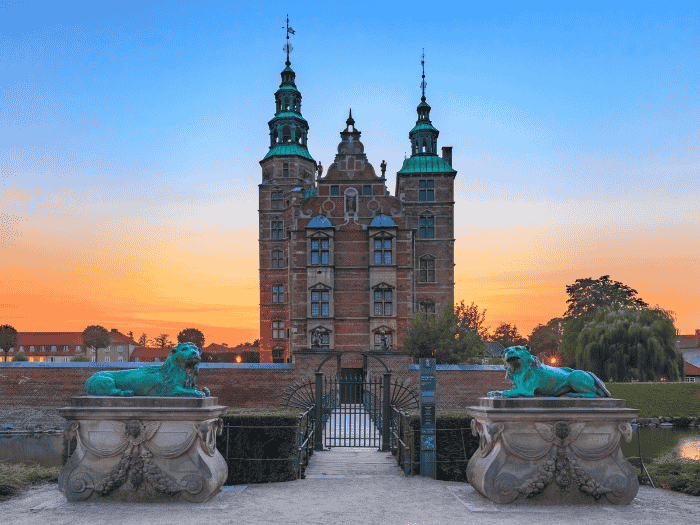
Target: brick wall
{"type": "Point", "coordinates": [242, 385]}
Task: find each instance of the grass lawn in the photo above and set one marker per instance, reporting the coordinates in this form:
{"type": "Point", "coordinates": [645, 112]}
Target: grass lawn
{"type": "Point", "coordinates": [16, 477]}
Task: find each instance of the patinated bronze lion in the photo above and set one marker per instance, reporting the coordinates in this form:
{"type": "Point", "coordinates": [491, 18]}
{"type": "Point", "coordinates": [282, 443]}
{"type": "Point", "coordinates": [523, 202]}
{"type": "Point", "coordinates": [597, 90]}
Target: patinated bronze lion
{"type": "Point", "coordinates": [531, 378]}
{"type": "Point", "coordinates": [176, 377]}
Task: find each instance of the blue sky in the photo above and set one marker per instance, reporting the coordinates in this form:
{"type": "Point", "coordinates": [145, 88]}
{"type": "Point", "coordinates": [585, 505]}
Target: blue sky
{"type": "Point", "coordinates": [130, 135]}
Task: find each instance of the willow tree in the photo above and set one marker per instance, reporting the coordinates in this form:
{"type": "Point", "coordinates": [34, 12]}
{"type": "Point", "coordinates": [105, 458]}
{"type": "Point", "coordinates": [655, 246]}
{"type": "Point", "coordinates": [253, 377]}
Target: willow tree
{"type": "Point", "coordinates": [624, 344]}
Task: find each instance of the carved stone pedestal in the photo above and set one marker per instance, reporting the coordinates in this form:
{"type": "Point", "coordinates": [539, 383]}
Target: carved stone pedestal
{"type": "Point", "coordinates": [143, 449]}
{"type": "Point", "coordinates": [552, 449]}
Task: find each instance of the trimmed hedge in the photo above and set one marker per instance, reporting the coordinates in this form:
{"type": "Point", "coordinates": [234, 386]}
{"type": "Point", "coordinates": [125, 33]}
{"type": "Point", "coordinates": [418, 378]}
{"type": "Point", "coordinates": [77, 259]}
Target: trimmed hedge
{"type": "Point", "coordinates": [259, 445]}
{"type": "Point", "coordinates": [659, 399]}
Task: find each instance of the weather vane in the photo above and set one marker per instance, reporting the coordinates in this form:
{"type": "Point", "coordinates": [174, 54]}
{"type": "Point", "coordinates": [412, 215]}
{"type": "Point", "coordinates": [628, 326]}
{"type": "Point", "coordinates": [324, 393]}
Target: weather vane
{"type": "Point", "coordinates": [288, 47]}
{"type": "Point", "coordinates": [423, 83]}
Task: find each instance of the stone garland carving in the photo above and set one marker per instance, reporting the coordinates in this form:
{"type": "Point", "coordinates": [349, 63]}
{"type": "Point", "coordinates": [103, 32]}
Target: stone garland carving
{"type": "Point", "coordinates": [137, 462]}
{"type": "Point", "coordinates": [561, 466]}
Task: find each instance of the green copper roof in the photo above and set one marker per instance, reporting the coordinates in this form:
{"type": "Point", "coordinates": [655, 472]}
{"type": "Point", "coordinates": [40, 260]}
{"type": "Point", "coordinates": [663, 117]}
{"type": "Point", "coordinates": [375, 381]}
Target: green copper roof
{"type": "Point", "coordinates": [286, 86]}
{"type": "Point", "coordinates": [425, 164]}
{"type": "Point", "coordinates": [289, 114]}
{"type": "Point", "coordinates": [421, 126]}
{"type": "Point", "coordinates": [283, 150]}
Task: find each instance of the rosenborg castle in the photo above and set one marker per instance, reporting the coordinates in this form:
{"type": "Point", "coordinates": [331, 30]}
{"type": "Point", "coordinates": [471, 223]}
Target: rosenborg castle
{"type": "Point", "coordinates": [344, 264]}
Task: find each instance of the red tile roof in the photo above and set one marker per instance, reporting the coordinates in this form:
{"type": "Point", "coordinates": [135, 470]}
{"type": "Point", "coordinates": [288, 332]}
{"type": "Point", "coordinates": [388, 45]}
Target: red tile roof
{"type": "Point", "coordinates": [687, 342]}
{"type": "Point", "coordinates": [145, 353]}
{"type": "Point", "coordinates": [691, 370]}
{"type": "Point", "coordinates": [65, 338]}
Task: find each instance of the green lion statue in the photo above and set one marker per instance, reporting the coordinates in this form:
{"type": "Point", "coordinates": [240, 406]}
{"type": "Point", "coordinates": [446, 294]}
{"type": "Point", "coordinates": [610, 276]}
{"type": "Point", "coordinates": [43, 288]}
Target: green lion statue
{"type": "Point", "coordinates": [174, 378]}
{"type": "Point", "coordinates": [531, 378]}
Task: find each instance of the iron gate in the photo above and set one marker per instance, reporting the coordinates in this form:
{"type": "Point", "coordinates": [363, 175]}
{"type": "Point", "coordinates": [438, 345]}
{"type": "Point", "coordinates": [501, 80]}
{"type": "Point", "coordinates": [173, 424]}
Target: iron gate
{"type": "Point", "coordinates": [352, 415]}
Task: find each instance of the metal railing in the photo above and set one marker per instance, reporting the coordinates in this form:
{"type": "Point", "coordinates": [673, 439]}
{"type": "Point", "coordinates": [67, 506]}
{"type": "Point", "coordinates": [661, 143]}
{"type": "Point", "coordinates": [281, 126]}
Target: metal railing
{"type": "Point", "coordinates": [305, 438]}
{"type": "Point", "coordinates": [398, 420]}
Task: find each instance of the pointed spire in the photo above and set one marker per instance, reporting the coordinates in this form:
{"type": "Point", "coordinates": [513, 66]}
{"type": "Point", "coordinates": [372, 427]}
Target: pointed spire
{"type": "Point", "coordinates": [423, 84]}
{"type": "Point", "coordinates": [288, 47]}
{"type": "Point", "coordinates": [350, 121]}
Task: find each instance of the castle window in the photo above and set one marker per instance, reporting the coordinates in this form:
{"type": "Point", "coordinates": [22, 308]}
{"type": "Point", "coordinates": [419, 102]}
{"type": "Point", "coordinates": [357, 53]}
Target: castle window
{"type": "Point", "coordinates": [367, 190]}
{"type": "Point", "coordinates": [285, 166]}
{"type": "Point", "coordinates": [427, 307]}
{"type": "Point", "coordinates": [278, 355]}
{"type": "Point", "coordinates": [278, 294]}
{"type": "Point", "coordinates": [278, 329]}
{"type": "Point", "coordinates": [277, 231]}
{"type": "Point", "coordinates": [320, 303]}
{"type": "Point", "coordinates": [277, 259]}
{"type": "Point", "coordinates": [319, 251]}
{"type": "Point", "coordinates": [106, 359]}
{"type": "Point", "coordinates": [378, 340]}
{"type": "Point", "coordinates": [427, 230]}
{"type": "Point", "coordinates": [335, 191]}
{"type": "Point", "coordinates": [276, 200]}
{"type": "Point", "coordinates": [382, 250]}
{"type": "Point", "coordinates": [426, 192]}
{"type": "Point", "coordinates": [383, 300]}
{"type": "Point", "coordinates": [427, 270]}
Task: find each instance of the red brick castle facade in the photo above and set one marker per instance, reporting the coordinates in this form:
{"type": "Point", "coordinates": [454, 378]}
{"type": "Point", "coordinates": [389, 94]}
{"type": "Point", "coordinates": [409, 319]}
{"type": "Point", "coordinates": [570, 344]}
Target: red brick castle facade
{"type": "Point", "coordinates": [343, 264]}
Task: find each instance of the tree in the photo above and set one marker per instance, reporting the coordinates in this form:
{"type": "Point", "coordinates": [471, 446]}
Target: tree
{"type": "Point", "coordinates": [622, 344]}
{"type": "Point", "coordinates": [20, 357]}
{"type": "Point", "coordinates": [256, 342]}
{"type": "Point", "coordinates": [508, 336]}
{"type": "Point", "coordinates": [546, 338]}
{"type": "Point", "coordinates": [250, 356]}
{"type": "Point", "coordinates": [143, 340]}
{"type": "Point", "coordinates": [131, 335]}
{"type": "Point", "coordinates": [79, 358]}
{"type": "Point", "coordinates": [469, 317]}
{"type": "Point", "coordinates": [586, 297]}
{"type": "Point", "coordinates": [442, 337]}
{"type": "Point", "coordinates": [163, 342]}
{"type": "Point", "coordinates": [191, 335]}
{"type": "Point", "coordinates": [8, 339]}
{"type": "Point", "coordinates": [96, 337]}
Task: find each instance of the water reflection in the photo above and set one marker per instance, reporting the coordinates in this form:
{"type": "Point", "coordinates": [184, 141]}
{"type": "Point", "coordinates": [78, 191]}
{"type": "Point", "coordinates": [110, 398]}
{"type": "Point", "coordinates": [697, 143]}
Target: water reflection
{"type": "Point", "coordinates": [689, 448]}
{"type": "Point", "coordinates": [656, 442]}
{"type": "Point", "coordinates": [44, 449]}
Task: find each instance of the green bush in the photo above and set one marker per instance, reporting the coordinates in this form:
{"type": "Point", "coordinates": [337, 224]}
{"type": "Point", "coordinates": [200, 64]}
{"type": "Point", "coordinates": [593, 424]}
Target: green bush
{"type": "Point", "coordinates": [659, 399]}
{"type": "Point", "coordinates": [20, 357]}
{"type": "Point", "coordinates": [681, 477]}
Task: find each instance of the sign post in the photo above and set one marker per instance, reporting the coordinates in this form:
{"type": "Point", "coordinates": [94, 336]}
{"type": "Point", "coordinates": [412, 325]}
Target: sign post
{"type": "Point", "coordinates": [427, 418]}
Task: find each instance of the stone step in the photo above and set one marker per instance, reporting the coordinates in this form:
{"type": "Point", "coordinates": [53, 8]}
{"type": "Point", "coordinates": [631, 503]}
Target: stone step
{"type": "Point", "coordinates": [344, 462]}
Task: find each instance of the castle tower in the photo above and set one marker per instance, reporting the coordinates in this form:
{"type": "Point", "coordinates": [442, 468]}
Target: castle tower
{"type": "Point", "coordinates": [425, 186]}
{"type": "Point", "coordinates": [287, 172]}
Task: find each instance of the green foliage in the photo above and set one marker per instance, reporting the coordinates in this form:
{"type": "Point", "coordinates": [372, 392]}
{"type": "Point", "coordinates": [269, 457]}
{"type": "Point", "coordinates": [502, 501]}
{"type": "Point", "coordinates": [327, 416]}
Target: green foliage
{"type": "Point", "coordinates": [508, 336]}
{"type": "Point", "coordinates": [96, 336]}
{"type": "Point", "coordinates": [547, 338]}
{"type": "Point", "coordinates": [256, 449]}
{"type": "Point", "coordinates": [447, 338]}
{"type": "Point", "coordinates": [191, 335]}
{"type": "Point", "coordinates": [681, 477]}
{"type": "Point", "coordinates": [659, 399]}
{"type": "Point", "coordinates": [79, 359]}
{"type": "Point", "coordinates": [250, 356]}
{"type": "Point", "coordinates": [8, 337]}
{"type": "Point", "coordinates": [17, 476]}
{"type": "Point", "coordinates": [586, 297]}
{"type": "Point", "coordinates": [469, 317]}
{"type": "Point", "coordinates": [625, 344]}
{"type": "Point", "coordinates": [20, 357]}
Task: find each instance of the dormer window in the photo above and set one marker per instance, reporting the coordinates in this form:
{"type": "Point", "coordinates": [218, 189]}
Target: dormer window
{"type": "Point", "coordinates": [382, 250]}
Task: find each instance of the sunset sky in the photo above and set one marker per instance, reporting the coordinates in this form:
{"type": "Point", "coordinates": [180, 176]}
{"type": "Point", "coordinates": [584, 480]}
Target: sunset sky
{"type": "Point", "coordinates": [131, 131]}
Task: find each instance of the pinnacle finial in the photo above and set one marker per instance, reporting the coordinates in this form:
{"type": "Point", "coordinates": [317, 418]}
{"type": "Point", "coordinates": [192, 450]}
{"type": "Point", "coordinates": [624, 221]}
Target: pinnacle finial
{"type": "Point", "coordinates": [423, 84]}
{"type": "Point", "coordinates": [350, 121]}
{"type": "Point", "coordinates": [288, 47]}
